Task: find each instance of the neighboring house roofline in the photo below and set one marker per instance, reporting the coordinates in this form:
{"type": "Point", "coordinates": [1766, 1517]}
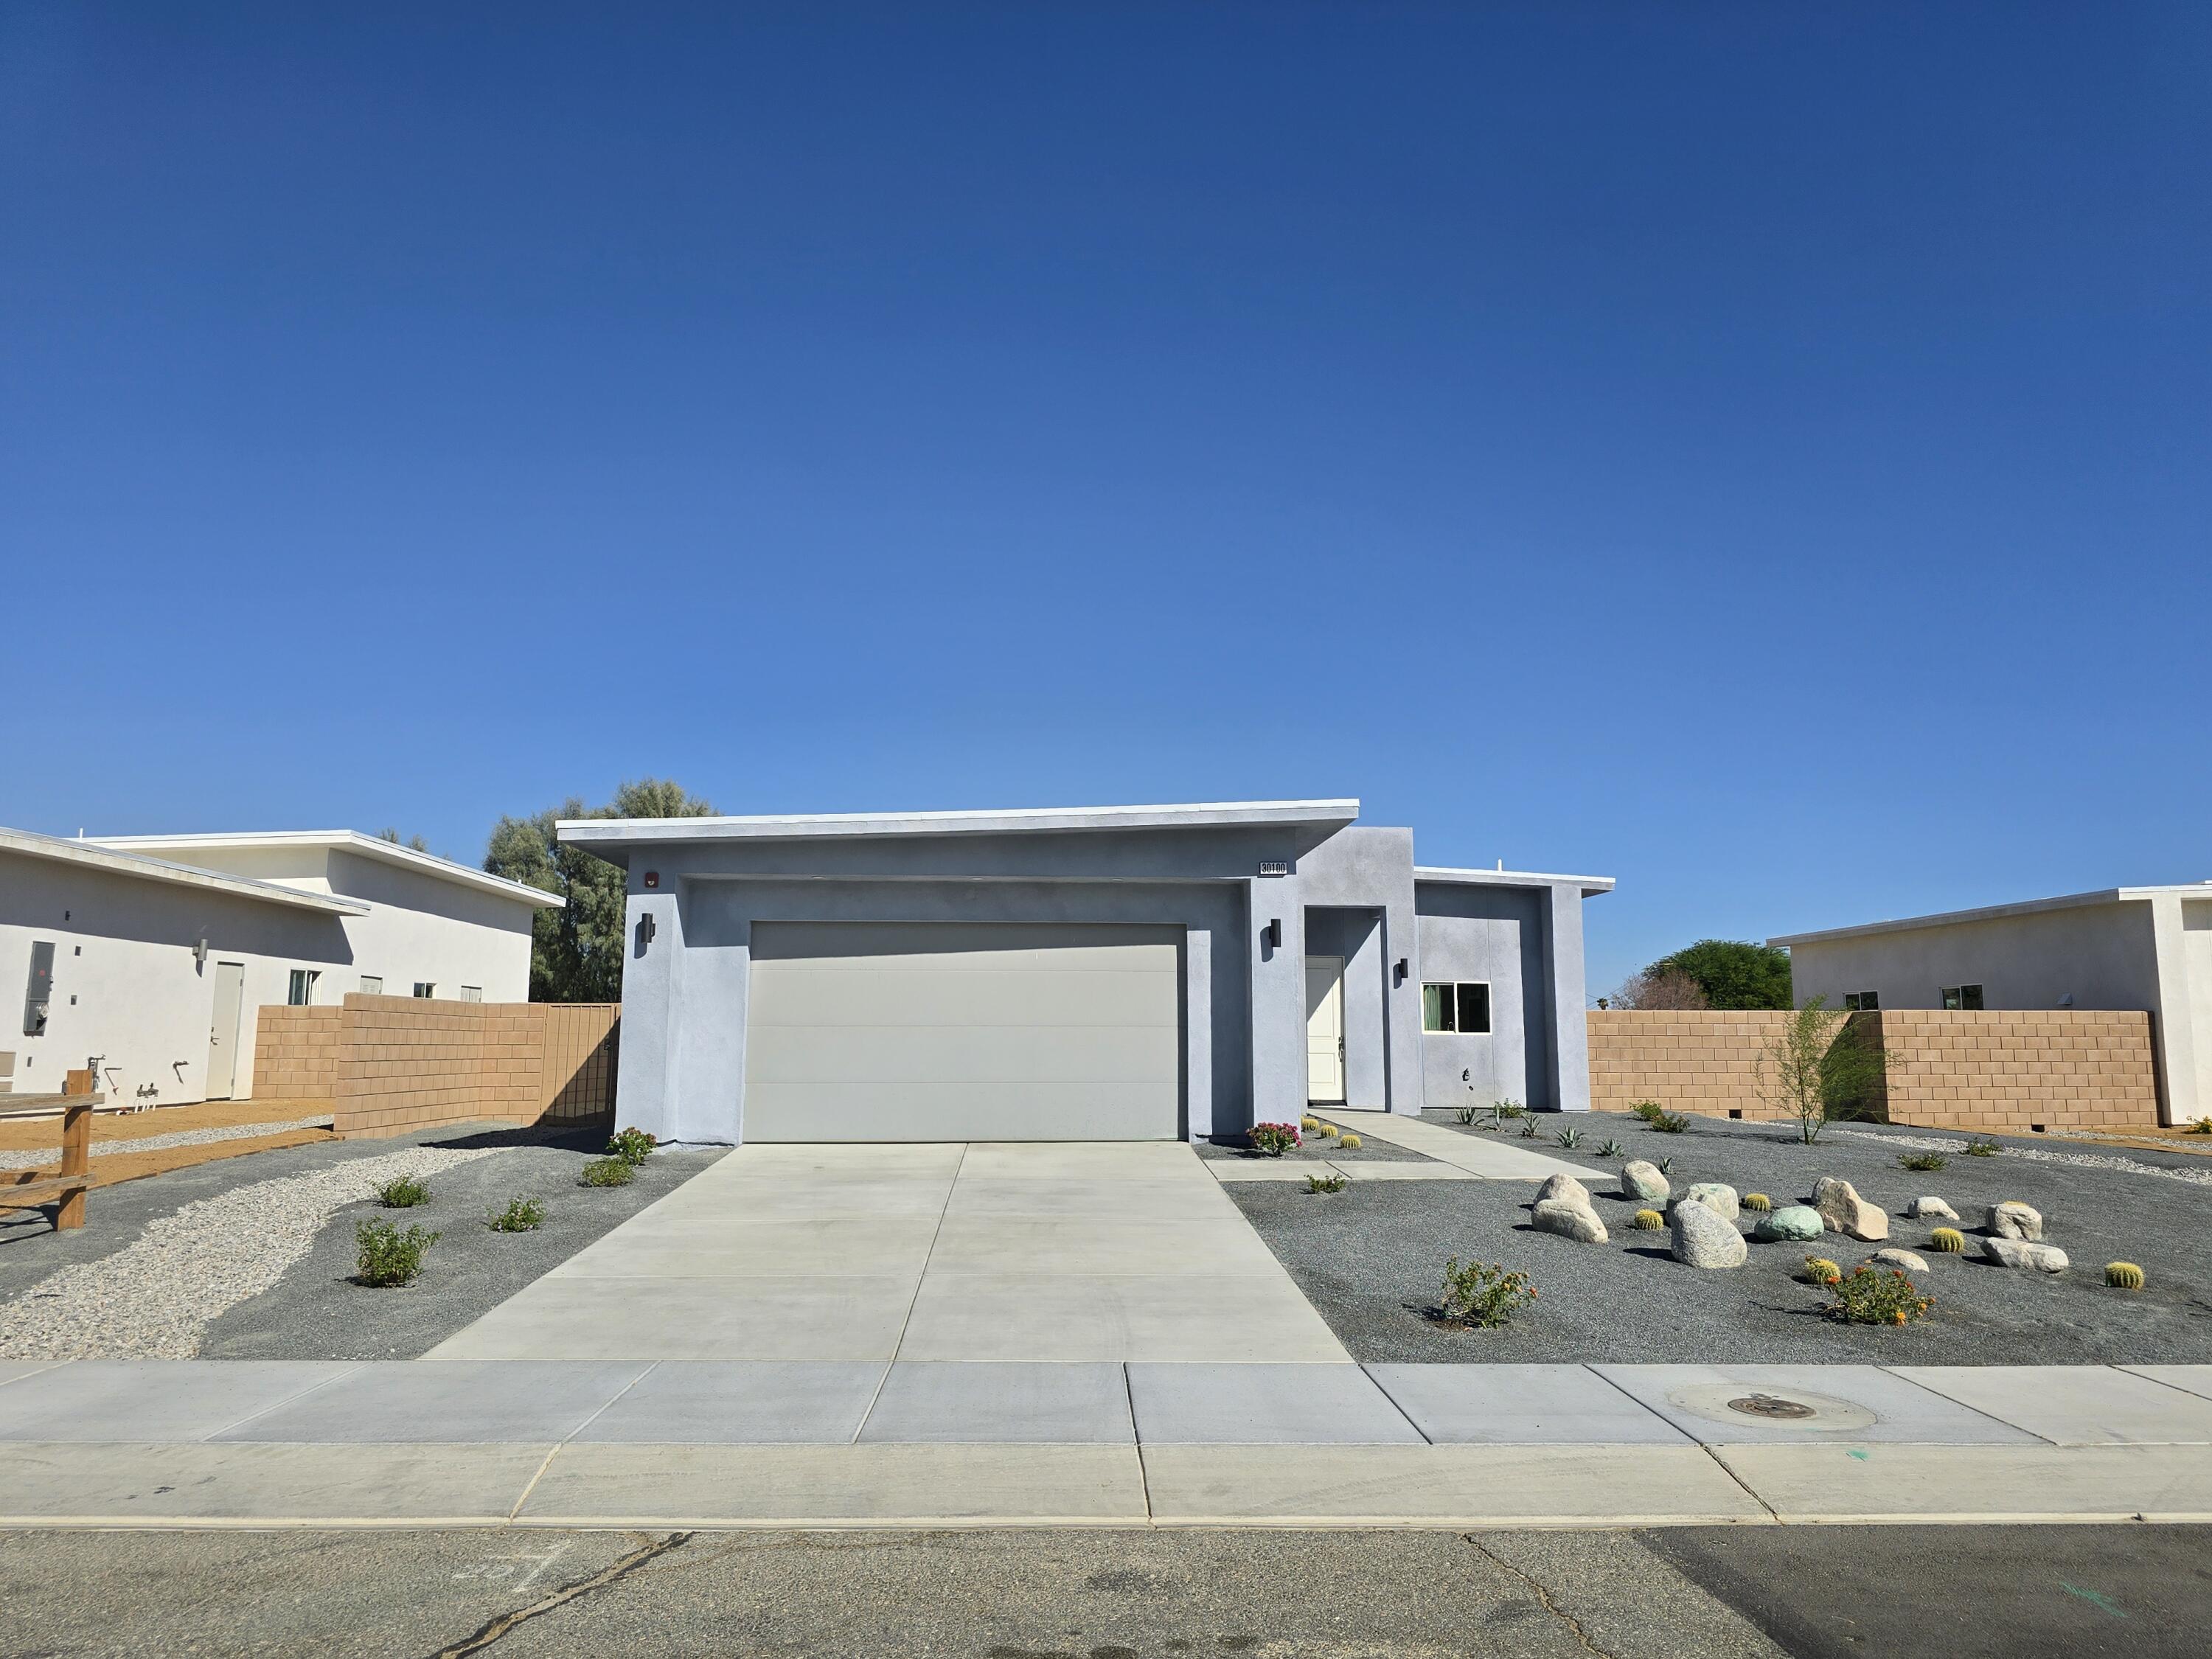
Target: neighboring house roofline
{"type": "Point", "coordinates": [350, 841]}
{"type": "Point", "coordinates": [2201, 889]}
{"type": "Point", "coordinates": [1590, 885]}
{"type": "Point", "coordinates": [93, 855]}
{"type": "Point", "coordinates": [617, 834]}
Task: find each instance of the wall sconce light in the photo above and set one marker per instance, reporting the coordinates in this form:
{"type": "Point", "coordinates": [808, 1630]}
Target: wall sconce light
{"type": "Point", "coordinates": [199, 956]}
{"type": "Point", "coordinates": [1273, 934]}
{"type": "Point", "coordinates": [648, 929]}
{"type": "Point", "coordinates": [1405, 967]}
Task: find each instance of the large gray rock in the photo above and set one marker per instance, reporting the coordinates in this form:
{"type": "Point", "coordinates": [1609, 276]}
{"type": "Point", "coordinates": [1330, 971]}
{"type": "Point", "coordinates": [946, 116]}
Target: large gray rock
{"type": "Point", "coordinates": [1924, 1208]}
{"type": "Point", "coordinates": [2013, 1219]}
{"type": "Point", "coordinates": [1843, 1211]}
{"type": "Point", "coordinates": [1568, 1219]}
{"type": "Point", "coordinates": [1716, 1195]}
{"type": "Point", "coordinates": [2020, 1253]}
{"type": "Point", "coordinates": [1893, 1258]}
{"type": "Point", "coordinates": [1706, 1238]}
{"type": "Point", "coordinates": [1642, 1180]}
{"type": "Point", "coordinates": [1800, 1222]}
{"type": "Point", "coordinates": [1565, 1187]}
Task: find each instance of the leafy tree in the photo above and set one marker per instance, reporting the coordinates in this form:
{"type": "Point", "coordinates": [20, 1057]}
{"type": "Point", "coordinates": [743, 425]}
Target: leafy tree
{"type": "Point", "coordinates": [1660, 988]}
{"type": "Point", "coordinates": [576, 953]}
{"type": "Point", "coordinates": [1819, 1066]}
{"type": "Point", "coordinates": [1732, 973]}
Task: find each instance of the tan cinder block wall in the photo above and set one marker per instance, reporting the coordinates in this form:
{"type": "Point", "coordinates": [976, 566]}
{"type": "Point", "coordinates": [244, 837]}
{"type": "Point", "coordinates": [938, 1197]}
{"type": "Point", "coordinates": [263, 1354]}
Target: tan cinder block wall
{"type": "Point", "coordinates": [296, 1053]}
{"type": "Point", "coordinates": [402, 1063]}
{"type": "Point", "coordinates": [2000, 1072]}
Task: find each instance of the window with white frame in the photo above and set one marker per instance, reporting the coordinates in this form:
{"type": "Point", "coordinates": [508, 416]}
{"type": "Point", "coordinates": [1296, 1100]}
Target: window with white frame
{"type": "Point", "coordinates": [472, 993]}
{"type": "Point", "coordinates": [424, 987]}
{"type": "Point", "coordinates": [1462, 1006]}
{"type": "Point", "coordinates": [302, 992]}
{"type": "Point", "coordinates": [371, 984]}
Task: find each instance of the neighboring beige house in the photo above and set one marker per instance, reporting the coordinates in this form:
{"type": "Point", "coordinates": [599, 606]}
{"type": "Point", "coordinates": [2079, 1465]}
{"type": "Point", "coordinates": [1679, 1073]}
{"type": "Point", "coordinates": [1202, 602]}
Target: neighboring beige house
{"type": "Point", "coordinates": [153, 952]}
{"type": "Point", "coordinates": [2148, 948]}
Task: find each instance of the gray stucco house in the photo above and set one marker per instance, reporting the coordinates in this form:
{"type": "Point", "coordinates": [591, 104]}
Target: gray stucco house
{"type": "Point", "coordinates": [1077, 974]}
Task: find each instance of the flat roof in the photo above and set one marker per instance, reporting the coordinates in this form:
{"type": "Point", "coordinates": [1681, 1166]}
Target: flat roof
{"type": "Point", "coordinates": [96, 856]}
{"type": "Point", "coordinates": [1591, 885]}
{"type": "Point", "coordinates": [350, 840]}
{"type": "Point", "coordinates": [619, 834]}
{"type": "Point", "coordinates": [2201, 889]}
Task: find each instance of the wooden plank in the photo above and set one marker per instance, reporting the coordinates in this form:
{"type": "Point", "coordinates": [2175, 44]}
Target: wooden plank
{"type": "Point", "coordinates": [37, 1194]}
{"type": "Point", "coordinates": [46, 1105]}
{"type": "Point", "coordinates": [78, 1082]}
{"type": "Point", "coordinates": [76, 1160]}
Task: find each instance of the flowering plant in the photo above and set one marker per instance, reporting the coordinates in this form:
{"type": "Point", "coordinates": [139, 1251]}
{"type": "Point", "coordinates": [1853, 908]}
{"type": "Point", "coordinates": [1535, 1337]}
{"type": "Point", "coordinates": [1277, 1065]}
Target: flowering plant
{"type": "Point", "coordinates": [1276, 1138]}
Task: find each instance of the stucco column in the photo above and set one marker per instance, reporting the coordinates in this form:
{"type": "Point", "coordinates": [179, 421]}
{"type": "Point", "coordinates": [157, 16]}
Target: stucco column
{"type": "Point", "coordinates": [645, 1083]}
{"type": "Point", "coordinates": [1279, 1000]}
{"type": "Point", "coordinates": [2173, 1024]}
{"type": "Point", "coordinates": [1569, 1024]}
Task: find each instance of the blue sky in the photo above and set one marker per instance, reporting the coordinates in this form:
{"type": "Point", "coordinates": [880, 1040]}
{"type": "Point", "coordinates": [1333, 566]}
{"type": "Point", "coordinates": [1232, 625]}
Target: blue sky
{"type": "Point", "coordinates": [1757, 452]}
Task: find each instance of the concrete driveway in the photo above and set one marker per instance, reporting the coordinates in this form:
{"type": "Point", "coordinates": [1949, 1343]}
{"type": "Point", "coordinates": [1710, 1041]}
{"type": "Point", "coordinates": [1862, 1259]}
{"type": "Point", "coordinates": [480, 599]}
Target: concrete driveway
{"type": "Point", "coordinates": [988, 1251]}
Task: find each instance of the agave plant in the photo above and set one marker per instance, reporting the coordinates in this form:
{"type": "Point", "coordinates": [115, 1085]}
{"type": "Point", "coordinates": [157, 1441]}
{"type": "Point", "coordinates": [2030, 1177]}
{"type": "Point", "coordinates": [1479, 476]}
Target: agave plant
{"type": "Point", "coordinates": [1611, 1149]}
{"type": "Point", "coordinates": [1528, 1130]}
{"type": "Point", "coordinates": [1663, 1165]}
{"type": "Point", "coordinates": [1569, 1138]}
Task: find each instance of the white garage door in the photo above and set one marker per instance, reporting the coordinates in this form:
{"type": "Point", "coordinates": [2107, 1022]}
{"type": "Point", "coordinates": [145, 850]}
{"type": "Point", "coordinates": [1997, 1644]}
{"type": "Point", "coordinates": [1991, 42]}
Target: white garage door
{"type": "Point", "coordinates": [962, 1031]}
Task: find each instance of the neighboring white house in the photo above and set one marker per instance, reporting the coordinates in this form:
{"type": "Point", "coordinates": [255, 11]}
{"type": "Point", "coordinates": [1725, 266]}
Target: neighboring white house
{"type": "Point", "coordinates": [2125, 947]}
{"type": "Point", "coordinates": [153, 952]}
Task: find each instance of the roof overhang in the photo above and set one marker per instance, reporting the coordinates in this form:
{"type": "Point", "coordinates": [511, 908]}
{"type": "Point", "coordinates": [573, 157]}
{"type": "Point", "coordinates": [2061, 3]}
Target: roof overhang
{"type": "Point", "coordinates": [2202, 890]}
{"type": "Point", "coordinates": [349, 840]}
{"type": "Point", "coordinates": [1591, 885]}
{"type": "Point", "coordinates": [613, 839]}
{"type": "Point", "coordinates": [93, 856]}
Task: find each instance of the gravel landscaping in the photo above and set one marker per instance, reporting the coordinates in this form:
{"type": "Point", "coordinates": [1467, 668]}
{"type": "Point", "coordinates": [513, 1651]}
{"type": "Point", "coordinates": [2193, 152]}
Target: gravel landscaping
{"type": "Point", "coordinates": [1371, 1257]}
{"type": "Point", "coordinates": [254, 1257]}
{"type": "Point", "coordinates": [1316, 1150]}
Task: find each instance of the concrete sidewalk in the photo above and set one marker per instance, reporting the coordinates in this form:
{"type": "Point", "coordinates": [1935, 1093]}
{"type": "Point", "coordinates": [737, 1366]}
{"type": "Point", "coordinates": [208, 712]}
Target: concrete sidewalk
{"type": "Point", "coordinates": [935, 1445]}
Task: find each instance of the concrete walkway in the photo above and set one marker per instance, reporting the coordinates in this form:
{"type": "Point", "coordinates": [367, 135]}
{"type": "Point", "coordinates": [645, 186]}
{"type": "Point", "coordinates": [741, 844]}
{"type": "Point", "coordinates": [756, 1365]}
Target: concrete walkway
{"type": "Point", "coordinates": [1500, 1156]}
{"type": "Point", "coordinates": [1028, 1252]}
{"type": "Point", "coordinates": [923, 1443]}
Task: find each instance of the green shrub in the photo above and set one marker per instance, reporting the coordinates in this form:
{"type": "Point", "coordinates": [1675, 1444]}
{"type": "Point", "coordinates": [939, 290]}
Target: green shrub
{"type": "Point", "coordinates": [2201, 1127]}
{"type": "Point", "coordinates": [2124, 1275]}
{"type": "Point", "coordinates": [389, 1256]}
{"type": "Point", "coordinates": [632, 1146]}
{"type": "Point", "coordinates": [1869, 1296]}
{"type": "Point", "coordinates": [1947, 1241]}
{"type": "Point", "coordinates": [1669, 1123]}
{"type": "Point", "coordinates": [1648, 1110]}
{"type": "Point", "coordinates": [404, 1193]}
{"type": "Point", "coordinates": [1510, 1109]}
{"type": "Point", "coordinates": [521, 1215]}
{"type": "Point", "coordinates": [1922, 1161]}
{"type": "Point", "coordinates": [1757, 1202]}
{"type": "Point", "coordinates": [1569, 1138]}
{"type": "Point", "coordinates": [1328, 1183]}
{"type": "Point", "coordinates": [607, 1172]}
{"type": "Point", "coordinates": [1274, 1139]}
{"type": "Point", "coordinates": [1483, 1296]}
{"type": "Point", "coordinates": [1983, 1149]}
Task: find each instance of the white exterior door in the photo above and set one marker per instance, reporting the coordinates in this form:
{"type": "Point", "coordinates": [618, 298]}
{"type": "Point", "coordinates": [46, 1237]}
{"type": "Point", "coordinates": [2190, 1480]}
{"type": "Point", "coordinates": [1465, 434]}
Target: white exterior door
{"type": "Point", "coordinates": [223, 1030]}
{"type": "Point", "coordinates": [1325, 1030]}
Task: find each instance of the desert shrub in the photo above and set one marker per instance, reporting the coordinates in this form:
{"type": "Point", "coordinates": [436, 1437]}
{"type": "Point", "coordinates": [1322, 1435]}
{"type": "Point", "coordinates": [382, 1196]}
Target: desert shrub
{"type": "Point", "coordinates": [1569, 1138]}
{"type": "Point", "coordinates": [1275, 1138]}
{"type": "Point", "coordinates": [1482, 1294]}
{"type": "Point", "coordinates": [1983, 1149]}
{"type": "Point", "coordinates": [1947, 1241]}
{"type": "Point", "coordinates": [389, 1256]}
{"type": "Point", "coordinates": [1757, 1202]}
{"type": "Point", "coordinates": [1669, 1123]}
{"type": "Point", "coordinates": [403, 1194]}
{"type": "Point", "coordinates": [1510, 1109]}
{"type": "Point", "coordinates": [1648, 1110]}
{"type": "Point", "coordinates": [1867, 1295]}
{"type": "Point", "coordinates": [632, 1146]}
{"type": "Point", "coordinates": [1922, 1161]}
{"type": "Point", "coordinates": [2124, 1275]}
{"type": "Point", "coordinates": [607, 1172]}
{"type": "Point", "coordinates": [2201, 1127]}
{"type": "Point", "coordinates": [1328, 1183]}
{"type": "Point", "coordinates": [1350, 1143]}
{"type": "Point", "coordinates": [1647, 1221]}
{"type": "Point", "coordinates": [521, 1215]}
{"type": "Point", "coordinates": [1818, 1270]}
{"type": "Point", "coordinates": [1611, 1149]}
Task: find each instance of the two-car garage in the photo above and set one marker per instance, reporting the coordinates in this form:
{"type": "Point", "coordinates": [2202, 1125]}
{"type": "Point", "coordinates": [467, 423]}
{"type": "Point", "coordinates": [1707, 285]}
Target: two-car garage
{"type": "Point", "coordinates": [964, 1031]}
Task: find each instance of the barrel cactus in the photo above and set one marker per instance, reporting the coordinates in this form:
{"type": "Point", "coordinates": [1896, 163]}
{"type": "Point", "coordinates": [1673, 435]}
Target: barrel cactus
{"type": "Point", "coordinates": [1950, 1240]}
{"type": "Point", "coordinates": [2124, 1275]}
{"type": "Point", "coordinates": [1648, 1221]}
{"type": "Point", "coordinates": [1818, 1270]}
{"type": "Point", "coordinates": [1309, 1123]}
{"type": "Point", "coordinates": [1349, 1142]}
{"type": "Point", "coordinates": [1757, 1202]}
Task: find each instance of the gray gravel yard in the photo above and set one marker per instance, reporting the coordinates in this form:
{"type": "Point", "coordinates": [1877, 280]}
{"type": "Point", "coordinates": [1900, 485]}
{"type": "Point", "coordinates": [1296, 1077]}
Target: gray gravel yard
{"type": "Point", "coordinates": [1372, 1258]}
{"type": "Point", "coordinates": [1317, 1150]}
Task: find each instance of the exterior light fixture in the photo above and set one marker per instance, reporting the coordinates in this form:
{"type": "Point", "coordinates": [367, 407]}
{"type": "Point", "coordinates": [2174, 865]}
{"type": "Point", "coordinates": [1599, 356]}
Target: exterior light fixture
{"type": "Point", "coordinates": [1273, 934]}
{"type": "Point", "coordinates": [652, 879]}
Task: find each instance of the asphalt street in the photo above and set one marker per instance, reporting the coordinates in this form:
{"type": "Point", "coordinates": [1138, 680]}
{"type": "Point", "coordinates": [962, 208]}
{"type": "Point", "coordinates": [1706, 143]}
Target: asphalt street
{"type": "Point", "coordinates": [1728, 1593]}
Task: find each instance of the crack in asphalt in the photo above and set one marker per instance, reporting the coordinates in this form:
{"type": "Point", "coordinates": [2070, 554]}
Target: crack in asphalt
{"type": "Point", "coordinates": [1543, 1596]}
{"type": "Point", "coordinates": [498, 1628]}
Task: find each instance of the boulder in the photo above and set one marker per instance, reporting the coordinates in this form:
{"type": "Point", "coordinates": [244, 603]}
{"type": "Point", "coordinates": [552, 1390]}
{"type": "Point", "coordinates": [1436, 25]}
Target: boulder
{"type": "Point", "coordinates": [1924, 1208]}
{"type": "Point", "coordinates": [2021, 1253]}
{"type": "Point", "coordinates": [1800, 1222]}
{"type": "Point", "coordinates": [1566, 1188]}
{"type": "Point", "coordinates": [1843, 1211]}
{"type": "Point", "coordinates": [1717, 1196]}
{"type": "Point", "coordinates": [2013, 1219]}
{"type": "Point", "coordinates": [1642, 1182]}
{"type": "Point", "coordinates": [1569, 1220]}
{"type": "Point", "coordinates": [1893, 1258]}
{"type": "Point", "coordinates": [1703, 1238]}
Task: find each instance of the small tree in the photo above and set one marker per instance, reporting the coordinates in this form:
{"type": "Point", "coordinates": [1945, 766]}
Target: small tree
{"type": "Point", "coordinates": [1817, 1067]}
{"type": "Point", "coordinates": [1733, 973]}
{"type": "Point", "coordinates": [1659, 988]}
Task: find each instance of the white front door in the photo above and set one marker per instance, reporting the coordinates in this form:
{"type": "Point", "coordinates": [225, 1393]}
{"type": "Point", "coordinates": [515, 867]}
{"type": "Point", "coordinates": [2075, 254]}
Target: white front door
{"type": "Point", "coordinates": [1325, 1030]}
{"type": "Point", "coordinates": [223, 1030]}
